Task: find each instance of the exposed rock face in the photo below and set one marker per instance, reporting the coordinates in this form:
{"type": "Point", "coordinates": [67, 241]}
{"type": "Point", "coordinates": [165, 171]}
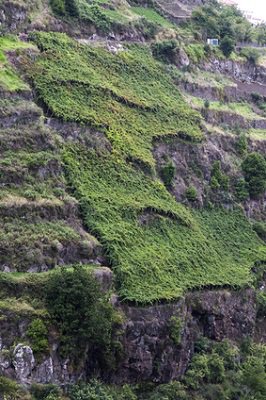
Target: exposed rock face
{"type": "Point", "coordinates": [23, 362]}
{"type": "Point", "coordinates": [150, 351]}
{"type": "Point", "coordinates": [245, 72]}
{"type": "Point", "coordinates": [194, 163]}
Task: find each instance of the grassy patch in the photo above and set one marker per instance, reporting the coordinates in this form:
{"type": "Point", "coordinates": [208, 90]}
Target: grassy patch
{"type": "Point", "coordinates": [157, 247]}
{"type": "Point", "coordinates": [129, 96]}
{"type": "Point", "coordinates": [257, 134]}
{"type": "Point", "coordinates": [207, 79]}
{"type": "Point", "coordinates": [243, 109]}
{"type": "Point", "coordinates": [9, 80]}
{"type": "Point", "coordinates": [151, 15]}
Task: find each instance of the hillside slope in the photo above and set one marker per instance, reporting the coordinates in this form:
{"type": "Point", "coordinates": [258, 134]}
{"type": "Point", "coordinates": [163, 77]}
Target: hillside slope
{"type": "Point", "coordinates": [131, 148]}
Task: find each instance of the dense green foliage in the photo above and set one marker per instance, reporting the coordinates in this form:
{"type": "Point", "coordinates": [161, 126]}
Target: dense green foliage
{"type": "Point", "coordinates": [81, 313]}
{"type": "Point", "coordinates": [128, 95]}
{"type": "Point", "coordinates": [157, 247]}
{"type": "Point", "coordinates": [37, 333]}
{"type": "Point", "coordinates": [9, 80]}
{"type": "Point", "coordinates": [227, 46]}
{"type": "Point", "coordinates": [254, 169]}
{"type": "Point", "coordinates": [219, 180]}
{"type": "Point", "coordinates": [175, 249]}
{"type": "Point", "coordinates": [165, 51]}
{"type": "Point", "coordinates": [216, 20]}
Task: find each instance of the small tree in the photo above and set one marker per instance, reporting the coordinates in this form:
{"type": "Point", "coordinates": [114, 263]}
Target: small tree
{"type": "Point", "coordinates": [254, 169]}
{"type": "Point", "coordinates": [227, 46]}
{"type": "Point", "coordinates": [78, 309]}
{"type": "Point", "coordinates": [168, 173]}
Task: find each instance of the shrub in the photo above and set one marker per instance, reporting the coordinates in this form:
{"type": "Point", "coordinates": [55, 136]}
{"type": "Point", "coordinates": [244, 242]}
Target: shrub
{"type": "Point", "coordinates": [227, 46]}
{"type": "Point", "coordinates": [260, 229]}
{"type": "Point", "coordinates": [252, 55]}
{"type": "Point", "coordinates": [195, 53]}
{"type": "Point", "coordinates": [165, 51]}
{"type": "Point", "coordinates": [261, 304]}
{"type": "Point", "coordinates": [206, 104]}
{"type": "Point", "coordinates": [78, 309]}
{"type": "Point", "coordinates": [218, 179]}
{"type": "Point", "coordinates": [241, 190]}
{"type": "Point", "coordinates": [254, 377]}
{"type": "Point", "coordinates": [8, 388]}
{"type": "Point", "coordinates": [58, 6]}
{"type": "Point", "coordinates": [37, 333]}
{"type": "Point", "coordinates": [242, 145]}
{"type": "Point", "coordinates": [254, 169]}
{"type": "Point", "coordinates": [42, 392]}
{"type": "Point", "coordinates": [191, 193]}
{"type": "Point", "coordinates": [167, 173]}
{"type": "Point", "coordinates": [93, 390]}
{"type": "Point", "coordinates": [175, 328]}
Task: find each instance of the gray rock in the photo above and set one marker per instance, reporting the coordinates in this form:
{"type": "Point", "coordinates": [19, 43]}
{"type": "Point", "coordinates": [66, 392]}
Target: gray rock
{"type": "Point", "coordinates": [23, 362]}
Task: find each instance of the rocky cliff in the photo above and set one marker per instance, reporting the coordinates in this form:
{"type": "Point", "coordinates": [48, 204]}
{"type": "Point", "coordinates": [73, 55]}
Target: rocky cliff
{"type": "Point", "coordinates": [133, 161]}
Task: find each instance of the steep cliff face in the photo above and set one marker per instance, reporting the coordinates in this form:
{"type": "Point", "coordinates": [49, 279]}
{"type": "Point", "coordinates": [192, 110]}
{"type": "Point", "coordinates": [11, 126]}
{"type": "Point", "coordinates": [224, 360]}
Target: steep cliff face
{"type": "Point", "coordinates": [116, 159]}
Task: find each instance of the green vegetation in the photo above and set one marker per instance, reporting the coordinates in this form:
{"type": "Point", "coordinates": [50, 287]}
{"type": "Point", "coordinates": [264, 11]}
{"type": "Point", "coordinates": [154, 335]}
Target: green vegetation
{"type": "Point", "coordinates": [167, 173]}
{"type": "Point", "coordinates": [9, 80]}
{"type": "Point", "coordinates": [111, 16]}
{"type": "Point", "coordinates": [24, 244]}
{"type": "Point", "coordinates": [251, 54]}
{"type": "Point", "coordinates": [37, 333]}
{"type": "Point", "coordinates": [227, 46]}
{"type": "Point", "coordinates": [153, 16]}
{"type": "Point", "coordinates": [175, 328]}
{"type": "Point", "coordinates": [176, 250]}
{"type": "Point", "coordinates": [260, 228]}
{"type": "Point", "coordinates": [118, 94]}
{"type": "Point", "coordinates": [215, 20]}
{"type": "Point", "coordinates": [254, 169]}
{"type": "Point", "coordinates": [165, 51]}
{"type": "Point", "coordinates": [81, 314]}
{"type": "Point", "coordinates": [241, 190]}
{"type": "Point", "coordinates": [157, 247]}
{"type": "Point", "coordinates": [191, 193]}
{"type": "Point", "coordinates": [242, 144]}
{"type": "Point", "coordinates": [195, 52]}
{"type": "Point", "coordinates": [243, 109]}
{"type": "Point", "coordinates": [219, 180]}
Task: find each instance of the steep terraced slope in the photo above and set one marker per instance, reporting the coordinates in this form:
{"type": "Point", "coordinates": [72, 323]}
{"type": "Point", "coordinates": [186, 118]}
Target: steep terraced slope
{"type": "Point", "coordinates": [158, 248]}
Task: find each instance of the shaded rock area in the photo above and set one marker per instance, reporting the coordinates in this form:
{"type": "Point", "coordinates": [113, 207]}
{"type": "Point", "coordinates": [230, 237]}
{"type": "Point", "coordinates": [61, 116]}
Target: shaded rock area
{"type": "Point", "coordinates": [151, 352]}
{"type": "Point", "coordinates": [194, 163]}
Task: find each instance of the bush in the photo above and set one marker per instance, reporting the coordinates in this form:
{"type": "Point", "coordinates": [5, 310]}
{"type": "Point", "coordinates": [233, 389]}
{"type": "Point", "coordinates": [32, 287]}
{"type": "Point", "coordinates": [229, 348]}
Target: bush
{"type": "Point", "coordinates": [206, 104]}
{"type": "Point", "coordinates": [42, 392]}
{"type": "Point", "coordinates": [95, 390]}
{"type": "Point", "coordinates": [80, 312]}
{"type": "Point", "coordinates": [254, 169]}
{"type": "Point", "coordinates": [191, 193]}
{"type": "Point", "coordinates": [167, 173]}
{"type": "Point", "coordinates": [175, 328]}
{"type": "Point", "coordinates": [260, 229]}
{"type": "Point", "coordinates": [195, 53]}
{"type": "Point", "coordinates": [242, 145]}
{"type": "Point", "coordinates": [252, 55]}
{"type": "Point", "coordinates": [165, 51]}
{"type": "Point", "coordinates": [261, 304]}
{"type": "Point", "coordinates": [218, 179]}
{"type": "Point", "coordinates": [58, 6]}
{"type": "Point", "coordinates": [8, 388]}
{"type": "Point", "coordinates": [37, 333]}
{"type": "Point", "coordinates": [227, 46]}
{"type": "Point", "coordinates": [241, 190]}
